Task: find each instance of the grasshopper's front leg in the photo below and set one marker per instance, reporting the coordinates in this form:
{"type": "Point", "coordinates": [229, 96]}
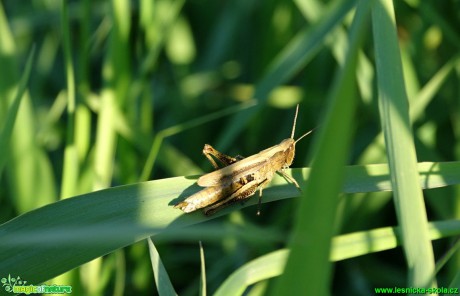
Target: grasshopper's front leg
{"type": "Point", "coordinates": [287, 177]}
{"type": "Point", "coordinates": [226, 160]}
{"type": "Point", "coordinates": [261, 187]}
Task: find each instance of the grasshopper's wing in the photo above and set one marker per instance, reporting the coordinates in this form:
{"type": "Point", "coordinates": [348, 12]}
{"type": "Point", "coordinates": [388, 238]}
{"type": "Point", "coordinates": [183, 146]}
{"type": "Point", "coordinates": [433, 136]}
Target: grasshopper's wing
{"type": "Point", "coordinates": [228, 174]}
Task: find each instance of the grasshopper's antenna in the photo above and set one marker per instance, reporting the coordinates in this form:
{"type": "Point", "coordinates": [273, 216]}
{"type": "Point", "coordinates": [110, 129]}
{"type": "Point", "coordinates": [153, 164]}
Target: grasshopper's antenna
{"type": "Point", "coordinates": [304, 135]}
{"type": "Point", "coordinates": [295, 119]}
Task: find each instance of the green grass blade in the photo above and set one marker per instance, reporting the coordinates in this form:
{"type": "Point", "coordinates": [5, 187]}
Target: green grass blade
{"type": "Point", "coordinates": [203, 272]}
{"type": "Point", "coordinates": [117, 78]}
{"type": "Point", "coordinates": [27, 159]}
{"type": "Point", "coordinates": [394, 116]}
{"type": "Point", "coordinates": [432, 175]}
{"type": "Point", "coordinates": [428, 92]}
{"type": "Point", "coordinates": [343, 247]}
{"type": "Point", "coordinates": [456, 281]}
{"type": "Point", "coordinates": [259, 269]}
{"type": "Point", "coordinates": [316, 216]}
{"type": "Point", "coordinates": [164, 285]}
{"type": "Point", "coordinates": [426, 95]}
{"type": "Point", "coordinates": [8, 125]}
{"type": "Point", "coordinates": [71, 163]}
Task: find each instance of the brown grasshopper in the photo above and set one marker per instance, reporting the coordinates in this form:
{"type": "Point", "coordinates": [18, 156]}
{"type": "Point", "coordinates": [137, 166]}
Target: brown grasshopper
{"type": "Point", "coordinates": [239, 178]}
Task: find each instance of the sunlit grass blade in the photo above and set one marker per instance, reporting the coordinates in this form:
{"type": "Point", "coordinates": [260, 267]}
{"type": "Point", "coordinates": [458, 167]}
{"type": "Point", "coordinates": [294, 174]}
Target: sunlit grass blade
{"type": "Point", "coordinates": [27, 159]}
{"type": "Point", "coordinates": [71, 164]}
{"type": "Point", "coordinates": [430, 89]}
{"type": "Point", "coordinates": [314, 226]}
{"type": "Point", "coordinates": [117, 78]}
{"type": "Point", "coordinates": [427, 93]}
{"type": "Point", "coordinates": [116, 74]}
{"type": "Point", "coordinates": [164, 285]}
{"type": "Point", "coordinates": [8, 124]}
{"type": "Point", "coordinates": [203, 272]}
{"type": "Point", "coordinates": [394, 116]}
{"type": "Point", "coordinates": [262, 268]}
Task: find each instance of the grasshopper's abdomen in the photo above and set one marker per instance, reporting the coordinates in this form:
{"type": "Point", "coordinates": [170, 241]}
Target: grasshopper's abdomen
{"type": "Point", "coordinates": [206, 197]}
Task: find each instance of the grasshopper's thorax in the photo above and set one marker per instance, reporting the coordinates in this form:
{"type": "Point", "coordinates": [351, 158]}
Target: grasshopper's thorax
{"type": "Point", "coordinates": [288, 146]}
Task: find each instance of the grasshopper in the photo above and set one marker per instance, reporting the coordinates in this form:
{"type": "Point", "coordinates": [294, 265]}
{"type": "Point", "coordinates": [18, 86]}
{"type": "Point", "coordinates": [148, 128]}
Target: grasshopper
{"type": "Point", "coordinates": [240, 178]}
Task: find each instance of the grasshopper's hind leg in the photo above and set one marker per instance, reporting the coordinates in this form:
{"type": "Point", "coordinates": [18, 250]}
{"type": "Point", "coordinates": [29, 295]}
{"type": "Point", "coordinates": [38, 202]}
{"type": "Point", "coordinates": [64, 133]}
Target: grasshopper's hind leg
{"type": "Point", "coordinates": [226, 160]}
{"type": "Point", "coordinates": [242, 193]}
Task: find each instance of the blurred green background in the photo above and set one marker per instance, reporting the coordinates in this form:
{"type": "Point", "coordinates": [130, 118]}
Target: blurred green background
{"type": "Point", "coordinates": [122, 92]}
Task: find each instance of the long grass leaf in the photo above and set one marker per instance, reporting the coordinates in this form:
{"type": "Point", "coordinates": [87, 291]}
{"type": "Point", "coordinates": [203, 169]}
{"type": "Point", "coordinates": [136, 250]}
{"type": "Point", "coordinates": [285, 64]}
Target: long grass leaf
{"type": "Point", "coordinates": [203, 272]}
{"type": "Point", "coordinates": [394, 116]}
{"type": "Point", "coordinates": [316, 216]}
{"type": "Point", "coordinates": [71, 163]}
{"type": "Point", "coordinates": [164, 285]}
{"type": "Point", "coordinates": [7, 128]}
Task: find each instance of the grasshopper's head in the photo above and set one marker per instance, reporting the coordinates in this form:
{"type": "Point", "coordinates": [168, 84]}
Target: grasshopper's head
{"type": "Point", "coordinates": [288, 147]}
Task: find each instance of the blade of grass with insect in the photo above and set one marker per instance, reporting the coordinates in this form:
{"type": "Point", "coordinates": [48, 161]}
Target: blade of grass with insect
{"type": "Point", "coordinates": [73, 231]}
{"type": "Point", "coordinates": [394, 116]}
{"type": "Point", "coordinates": [343, 247]}
{"type": "Point", "coordinates": [164, 285]}
{"type": "Point", "coordinates": [314, 226]}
